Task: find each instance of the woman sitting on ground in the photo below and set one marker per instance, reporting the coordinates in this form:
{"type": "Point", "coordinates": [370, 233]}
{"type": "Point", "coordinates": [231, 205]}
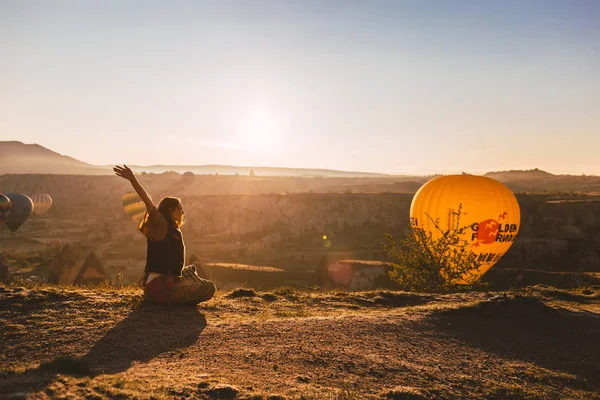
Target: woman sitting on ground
{"type": "Point", "coordinates": [166, 280]}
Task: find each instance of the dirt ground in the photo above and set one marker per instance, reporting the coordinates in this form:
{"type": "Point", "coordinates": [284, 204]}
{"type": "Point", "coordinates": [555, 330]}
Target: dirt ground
{"type": "Point", "coordinates": [289, 344]}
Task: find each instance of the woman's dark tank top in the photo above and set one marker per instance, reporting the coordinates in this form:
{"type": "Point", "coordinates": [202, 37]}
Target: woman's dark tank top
{"type": "Point", "coordinates": [167, 255]}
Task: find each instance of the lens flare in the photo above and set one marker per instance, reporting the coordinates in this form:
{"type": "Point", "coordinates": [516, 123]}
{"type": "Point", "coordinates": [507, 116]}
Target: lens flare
{"type": "Point", "coordinates": [341, 274]}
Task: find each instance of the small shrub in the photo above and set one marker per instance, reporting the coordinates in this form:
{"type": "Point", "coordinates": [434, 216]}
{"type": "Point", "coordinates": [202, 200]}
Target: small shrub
{"type": "Point", "coordinates": [276, 397]}
{"type": "Point", "coordinates": [269, 297]}
{"type": "Point", "coordinates": [287, 291]}
{"type": "Point", "coordinates": [241, 292]}
{"type": "Point", "coordinates": [430, 264]}
{"type": "Point", "coordinates": [223, 391]}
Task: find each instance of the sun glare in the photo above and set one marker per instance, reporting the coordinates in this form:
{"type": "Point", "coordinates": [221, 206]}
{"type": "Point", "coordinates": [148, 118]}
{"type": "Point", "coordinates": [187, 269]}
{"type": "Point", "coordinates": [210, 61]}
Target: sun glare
{"type": "Point", "coordinates": [258, 131]}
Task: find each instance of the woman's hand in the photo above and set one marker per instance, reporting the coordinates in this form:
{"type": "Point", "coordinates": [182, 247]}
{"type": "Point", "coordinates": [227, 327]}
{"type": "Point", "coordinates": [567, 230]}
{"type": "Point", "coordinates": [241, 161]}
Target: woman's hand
{"type": "Point", "coordinates": [124, 172]}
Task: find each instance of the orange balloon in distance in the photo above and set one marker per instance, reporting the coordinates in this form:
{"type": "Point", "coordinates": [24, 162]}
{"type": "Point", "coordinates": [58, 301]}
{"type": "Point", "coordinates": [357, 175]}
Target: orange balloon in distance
{"type": "Point", "coordinates": [490, 211]}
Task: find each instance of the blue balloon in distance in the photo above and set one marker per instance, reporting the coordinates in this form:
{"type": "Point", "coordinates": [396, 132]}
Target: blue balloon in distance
{"type": "Point", "coordinates": [22, 207]}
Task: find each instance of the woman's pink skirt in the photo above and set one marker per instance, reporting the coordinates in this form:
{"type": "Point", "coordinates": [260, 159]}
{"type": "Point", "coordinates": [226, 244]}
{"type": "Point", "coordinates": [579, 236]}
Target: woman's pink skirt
{"type": "Point", "coordinates": [188, 288]}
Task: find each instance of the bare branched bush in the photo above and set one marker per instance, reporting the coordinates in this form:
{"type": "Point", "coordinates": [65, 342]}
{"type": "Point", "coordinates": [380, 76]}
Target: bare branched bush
{"type": "Point", "coordinates": [429, 264]}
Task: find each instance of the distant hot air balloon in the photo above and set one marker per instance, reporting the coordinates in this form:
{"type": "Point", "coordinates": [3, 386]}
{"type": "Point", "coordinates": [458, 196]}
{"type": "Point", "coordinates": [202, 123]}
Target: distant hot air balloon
{"type": "Point", "coordinates": [490, 212]}
{"type": "Point", "coordinates": [134, 206]}
{"type": "Point", "coordinates": [188, 177]}
{"type": "Point", "coordinates": [5, 206]}
{"type": "Point", "coordinates": [42, 203]}
{"type": "Point", "coordinates": [22, 207]}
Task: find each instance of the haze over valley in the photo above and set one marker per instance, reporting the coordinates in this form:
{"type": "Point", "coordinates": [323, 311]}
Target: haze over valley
{"type": "Point", "coordinates": [300, 200]}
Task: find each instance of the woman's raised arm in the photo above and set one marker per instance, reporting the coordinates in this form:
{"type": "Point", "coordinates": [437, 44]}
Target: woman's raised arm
{"type": "Point", "coordinates": [125, 172]}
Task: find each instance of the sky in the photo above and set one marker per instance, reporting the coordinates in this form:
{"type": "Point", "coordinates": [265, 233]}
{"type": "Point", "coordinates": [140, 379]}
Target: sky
{"type": "Point", "coordinates": [399, 87]}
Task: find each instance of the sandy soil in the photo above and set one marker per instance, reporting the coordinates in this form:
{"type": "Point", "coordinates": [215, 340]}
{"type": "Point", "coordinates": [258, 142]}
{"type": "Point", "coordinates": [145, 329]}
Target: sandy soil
{"type": "Point", "coordinates": [107, 343]}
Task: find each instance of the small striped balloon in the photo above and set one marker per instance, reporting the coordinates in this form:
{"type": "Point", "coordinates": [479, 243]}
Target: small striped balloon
{"type": "Point", "coordinates": [41, 202]}
{"type": "Point", "coordinates": [5, 206]}
{"type": "Point", "coordinates": [134, 206]}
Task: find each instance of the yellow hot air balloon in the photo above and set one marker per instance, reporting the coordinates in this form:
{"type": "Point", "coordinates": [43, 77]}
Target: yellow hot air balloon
{"type": "Point", "coordinates": [488, 209]}
{"type": "Point", "coordinates": [42, 203]}
{"type": "Point", "coordinates": [134, 206]}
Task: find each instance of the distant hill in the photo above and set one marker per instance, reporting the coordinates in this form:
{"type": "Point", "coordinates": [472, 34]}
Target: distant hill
{"type": "Point", "coordinates": [20, 158]}
{"type": "Point", "coordinates": [258, 171]}
{"type": "Point", "coordinates": [520, 175]}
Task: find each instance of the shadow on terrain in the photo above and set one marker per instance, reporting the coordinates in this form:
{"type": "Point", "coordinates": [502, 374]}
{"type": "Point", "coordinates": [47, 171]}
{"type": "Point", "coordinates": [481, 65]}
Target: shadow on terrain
{"type": "Point", "coordinates": [147, 332]}
{"type": "Point", "coordinates": [507, 278]}
{"type": "Point", "coordinates": [526, 329]}
{"type": "Point", "coordinates": [144, 334]}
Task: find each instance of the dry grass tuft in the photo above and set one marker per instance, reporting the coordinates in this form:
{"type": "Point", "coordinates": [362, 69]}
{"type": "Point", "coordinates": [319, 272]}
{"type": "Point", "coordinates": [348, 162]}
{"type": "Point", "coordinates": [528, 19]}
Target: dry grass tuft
{"type": "Point", "coordinates": [405, 393]}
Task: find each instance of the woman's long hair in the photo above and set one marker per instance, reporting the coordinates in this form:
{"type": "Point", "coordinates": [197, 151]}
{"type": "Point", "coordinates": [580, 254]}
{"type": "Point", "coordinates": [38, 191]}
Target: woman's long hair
{"type": "Point", "coordinates": [167, 206]}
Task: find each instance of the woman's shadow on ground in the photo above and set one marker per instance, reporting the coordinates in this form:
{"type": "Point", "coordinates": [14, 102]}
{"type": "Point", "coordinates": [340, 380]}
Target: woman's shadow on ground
{"type": "Point", "coordinates": [145, 333]}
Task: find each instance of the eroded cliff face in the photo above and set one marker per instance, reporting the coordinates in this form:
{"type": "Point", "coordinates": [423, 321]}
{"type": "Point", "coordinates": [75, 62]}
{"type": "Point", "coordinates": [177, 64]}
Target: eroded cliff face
{"type": "Point", "coordinates": [557, 235]}
{"type": "Point", "coordinates": [290, 231]}
{"type": "Point", "coordinates": [293, 214]}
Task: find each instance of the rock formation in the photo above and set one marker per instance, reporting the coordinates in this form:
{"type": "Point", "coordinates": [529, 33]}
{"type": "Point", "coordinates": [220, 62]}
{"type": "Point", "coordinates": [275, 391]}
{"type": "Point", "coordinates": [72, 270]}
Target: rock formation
{"type": "Point", "coordinates": [92, 272]}
{"type": "Point", "coordinates": [63, 270]}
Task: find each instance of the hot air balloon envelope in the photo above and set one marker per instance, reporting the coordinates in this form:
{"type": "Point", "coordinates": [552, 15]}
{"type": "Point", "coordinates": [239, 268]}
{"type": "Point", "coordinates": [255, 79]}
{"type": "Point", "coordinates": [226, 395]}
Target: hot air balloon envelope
{"type": "Point", "coordinates": [489, 211]}
{"type": "Point", "coordinates": [41, 203]}
{"type": "Point", "coordinates": [5, 206]}
{"type": "Point", "coordinates": [22, 207]}
{"type": "Point", "coordinates": [188, 177]}
{"type": "Point", "coordinates": [134, 206]}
